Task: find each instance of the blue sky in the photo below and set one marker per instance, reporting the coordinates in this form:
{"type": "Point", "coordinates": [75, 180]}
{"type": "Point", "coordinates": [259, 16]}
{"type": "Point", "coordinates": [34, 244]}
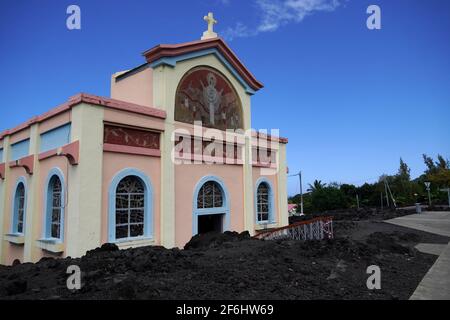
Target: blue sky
{"type": "Point", "coordinates": [352, 101]}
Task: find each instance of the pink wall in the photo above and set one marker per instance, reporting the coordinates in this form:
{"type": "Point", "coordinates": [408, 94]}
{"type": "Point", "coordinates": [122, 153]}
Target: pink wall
{"type": "Point", "coordinates": [113, 163]}
{"type": "Point", "coordinates": [187, 176]}
{"type": "Point", "coordinates": [38, 224]}
{"type": "Point", "coordinates": [273, 179]}
{"type": "Point", "coordinates": [136, 88]}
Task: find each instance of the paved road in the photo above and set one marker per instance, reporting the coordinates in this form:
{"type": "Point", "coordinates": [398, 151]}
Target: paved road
{"type": "Point", "coordinates": [437, 222]}
{"type": "Point", "coordinates": [436, 283]}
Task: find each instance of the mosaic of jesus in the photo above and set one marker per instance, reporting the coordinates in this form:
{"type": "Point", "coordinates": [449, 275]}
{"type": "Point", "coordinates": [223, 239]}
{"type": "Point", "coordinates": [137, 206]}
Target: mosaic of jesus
{"type": "Point", "coordinates": [206, 95]}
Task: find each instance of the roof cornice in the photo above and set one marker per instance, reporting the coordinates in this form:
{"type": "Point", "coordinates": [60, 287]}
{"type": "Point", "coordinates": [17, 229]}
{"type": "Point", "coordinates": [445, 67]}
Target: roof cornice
{"type": "Point", "coordinates": [172, 50]}
{"type": "Point", "coordinates": [89, 99]}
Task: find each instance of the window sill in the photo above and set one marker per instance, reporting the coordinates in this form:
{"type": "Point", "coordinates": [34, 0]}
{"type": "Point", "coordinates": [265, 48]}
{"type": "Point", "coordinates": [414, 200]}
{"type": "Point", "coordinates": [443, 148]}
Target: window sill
{"type": "Point", "coordinates": [134, 243]}
{"type": "Point", "coordinates": [51, 245]}
{"type": "Point", "coordinates": [16, 238]}
{"type": "Point", "coordinates": [265, 225]}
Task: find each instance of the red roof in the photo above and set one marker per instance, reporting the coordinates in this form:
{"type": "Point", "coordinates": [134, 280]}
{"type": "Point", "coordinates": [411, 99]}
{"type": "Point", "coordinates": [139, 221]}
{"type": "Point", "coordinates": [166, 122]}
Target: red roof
{"type": "Point", "coordinates": [171, 50]}
{"type": "Point", "coordinates": [91, 99]}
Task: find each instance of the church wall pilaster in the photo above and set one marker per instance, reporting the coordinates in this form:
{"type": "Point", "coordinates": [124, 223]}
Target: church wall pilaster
{"type": "Point", "coordinates": [33, 194]}
{"type": "Point", "coordinates": [4, 195]}
{"type": "Point", "coordinates": [83, 217]}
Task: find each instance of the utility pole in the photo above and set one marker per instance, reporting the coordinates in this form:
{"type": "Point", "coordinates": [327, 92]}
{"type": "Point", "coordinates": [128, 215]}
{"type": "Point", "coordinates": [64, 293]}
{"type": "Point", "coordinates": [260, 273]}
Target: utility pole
{"type": "Point", "coordinates": [301, 192]}
{"type": "Point", "coordinates": [357, 201]}
{"type": "Point", "coordinates": [381, 194]}
{"type": "Point", "coordinates": [385, 190]}
{"type": "Point", "coordinates": [427, 185]}
{"type": "Point", "coordinates": [392, 197]}
{"type": "Point", "coordinates": [299, 174]}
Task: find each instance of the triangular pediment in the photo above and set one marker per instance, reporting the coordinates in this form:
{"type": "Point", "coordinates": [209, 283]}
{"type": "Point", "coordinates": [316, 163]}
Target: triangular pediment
{"type": "Point", "coordinates": [166, 54]}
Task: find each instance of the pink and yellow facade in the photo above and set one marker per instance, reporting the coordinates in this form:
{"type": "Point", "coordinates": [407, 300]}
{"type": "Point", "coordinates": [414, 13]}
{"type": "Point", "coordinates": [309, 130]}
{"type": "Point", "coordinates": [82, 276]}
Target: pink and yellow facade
{"type": "Point", "coordinates": [96, 170]}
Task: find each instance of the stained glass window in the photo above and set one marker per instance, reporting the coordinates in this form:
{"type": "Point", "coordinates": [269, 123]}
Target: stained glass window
{"type": "Point", "coordinates": [130, 207]}
{"type": "Point", "coordinates": [19, 207]}
{"type": "Point", "coordinates": [263, 202]}
{"type": "Point", "coordinates": [56, 206]}
{"type": "Point", "coordinates": [210, 196]}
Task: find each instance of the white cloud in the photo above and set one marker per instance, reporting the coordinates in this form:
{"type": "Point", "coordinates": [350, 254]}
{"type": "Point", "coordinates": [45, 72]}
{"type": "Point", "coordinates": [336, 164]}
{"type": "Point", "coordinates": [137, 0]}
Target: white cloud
{"type": "Point", "coordinates": [277, 13]}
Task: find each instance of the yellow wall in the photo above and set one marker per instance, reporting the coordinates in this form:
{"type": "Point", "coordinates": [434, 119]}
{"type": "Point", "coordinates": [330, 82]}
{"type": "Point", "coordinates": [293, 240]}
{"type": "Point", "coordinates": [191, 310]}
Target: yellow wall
{"type": "Point", "coordinates": [85, 182]}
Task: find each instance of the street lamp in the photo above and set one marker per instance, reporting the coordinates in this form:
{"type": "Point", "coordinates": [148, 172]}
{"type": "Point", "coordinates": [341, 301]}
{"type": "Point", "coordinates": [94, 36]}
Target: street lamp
{"type": "Point", "coordinates": [427, 185]}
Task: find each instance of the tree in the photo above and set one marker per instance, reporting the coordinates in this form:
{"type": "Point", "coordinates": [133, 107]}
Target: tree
{"type": "Point", "coordinates": [402, 186]}
{"type": "Point", "coordinates": [403, 171]}
{"type": "Point", "coordinates": [317, 185]}
{"type": "Point", "coordinates": [431, 167]}
{"type": "Point", "coordinates": [442, 163]}
{"type": "Point", "coordinates": [328, 198]}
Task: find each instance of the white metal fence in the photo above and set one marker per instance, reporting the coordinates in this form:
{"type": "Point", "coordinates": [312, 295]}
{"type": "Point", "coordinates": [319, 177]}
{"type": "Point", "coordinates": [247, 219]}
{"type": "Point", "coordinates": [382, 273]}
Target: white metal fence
{"type": "Point", "coordinates": [314, 229]}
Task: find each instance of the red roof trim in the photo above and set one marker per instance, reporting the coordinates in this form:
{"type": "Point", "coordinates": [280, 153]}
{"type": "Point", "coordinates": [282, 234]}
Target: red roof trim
{"type": "Point", "coordinates": [91, 99]}
{"type": "Point", "coordinates": [268, 137]}
{"type": "Point", "coordinates": [171, 50]}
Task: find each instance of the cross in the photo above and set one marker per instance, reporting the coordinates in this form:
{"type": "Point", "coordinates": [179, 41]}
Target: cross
{"type": "Point", "coordinates": [211, 22]}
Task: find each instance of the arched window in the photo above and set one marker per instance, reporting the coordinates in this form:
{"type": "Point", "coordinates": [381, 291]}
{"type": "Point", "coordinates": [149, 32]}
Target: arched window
{"type": "Point", "coordinates": [130, 208]}
{"type": "Point", "coordinates": [210, 196]}
{"type": "Point", "coordinates": [19, 208]}
{"type": "Point", "coordinates": [211, 206]}
{"type": "Point", "coordinates": [264, 203]}
{"type": "Point", "coordinates": [55, 207]}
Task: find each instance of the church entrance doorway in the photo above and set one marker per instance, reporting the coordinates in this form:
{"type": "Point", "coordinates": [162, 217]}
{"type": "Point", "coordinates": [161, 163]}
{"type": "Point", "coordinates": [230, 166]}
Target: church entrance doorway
{"type": "Point", "coordinates": [211, 207]}
{"type": "Point", "coordinates": [210, 223]}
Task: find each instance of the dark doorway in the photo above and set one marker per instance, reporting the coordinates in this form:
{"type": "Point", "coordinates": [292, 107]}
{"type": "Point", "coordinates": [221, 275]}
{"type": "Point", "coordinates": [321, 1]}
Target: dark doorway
{"type": "Point", "coordinates": [210, 222]}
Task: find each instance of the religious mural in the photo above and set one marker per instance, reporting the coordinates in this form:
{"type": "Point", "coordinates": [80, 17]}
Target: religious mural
{"type": "Point", "coordinates": [206, 95]}
{"type": "Point", "coordinates": [131, 137]}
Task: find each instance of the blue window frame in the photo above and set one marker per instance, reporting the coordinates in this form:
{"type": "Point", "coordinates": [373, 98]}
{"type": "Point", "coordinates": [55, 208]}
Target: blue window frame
{"type": "Point", "coordinates": [55, 138]}
{"type": "Point", "coordinates": [210, 197]}
{"type": "Point", "coordinates": [130, 207]}
{"type": "Point", "coordinates": [20, 149]}
{"type": "Point", "coordinates": [264, 202]}
{"type": "Point", "coordinates": [54, 205]}
{"type": "Point", "coordinates": [19, 207]}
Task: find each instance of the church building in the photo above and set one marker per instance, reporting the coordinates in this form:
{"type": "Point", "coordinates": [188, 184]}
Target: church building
{"type": "Point", "coordinates": [170, 154]}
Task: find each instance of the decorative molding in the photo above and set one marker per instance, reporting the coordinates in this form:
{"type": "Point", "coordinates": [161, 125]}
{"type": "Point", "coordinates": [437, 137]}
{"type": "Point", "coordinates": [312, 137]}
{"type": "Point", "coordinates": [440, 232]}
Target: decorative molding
{"type": "Point", "coordinates": [108, 147]}
{"type": "Point", "coordinates": [71, 151]}
{"type": "Point", "coordinates": [27, 163]}
{"type": "Point", "coordinates": [159, 54]}
{"type": "Point", "coordinates": [132, 137]}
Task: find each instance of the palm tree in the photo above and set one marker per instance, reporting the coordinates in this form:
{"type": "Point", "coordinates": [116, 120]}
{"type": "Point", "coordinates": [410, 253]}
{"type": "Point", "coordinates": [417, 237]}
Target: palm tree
{"type": "Point", "coordinates": [317, 185]}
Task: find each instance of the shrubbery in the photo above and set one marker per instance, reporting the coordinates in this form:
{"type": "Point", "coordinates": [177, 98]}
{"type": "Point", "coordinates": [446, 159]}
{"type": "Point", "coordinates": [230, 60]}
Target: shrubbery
{"type": "Point", "coordinates": [322, 197]}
